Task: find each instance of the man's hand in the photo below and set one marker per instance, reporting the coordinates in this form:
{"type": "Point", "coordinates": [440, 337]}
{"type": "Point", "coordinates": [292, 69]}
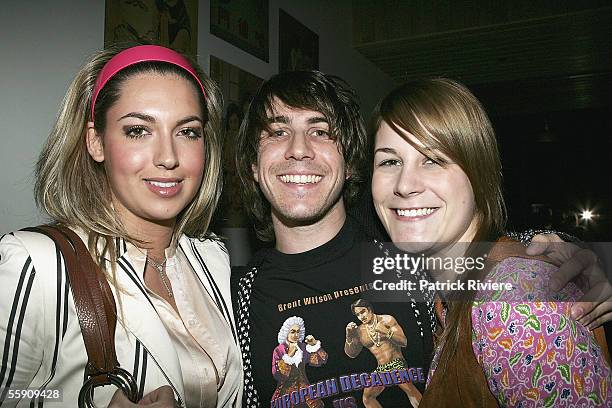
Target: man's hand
{"type": "Point", "coordinates": [582, 267]}
{"type": "Point", "coordinates": [161, 397]}
{"type": "Point", "coordinates": [350, 330]}
{"type": "Point", "coordinates": [292, 349]}
{"type": "Point", "coordinates": [310, 340]}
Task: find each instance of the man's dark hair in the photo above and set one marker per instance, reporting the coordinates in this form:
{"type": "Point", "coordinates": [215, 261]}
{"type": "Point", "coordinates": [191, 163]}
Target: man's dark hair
{"type": "Point", "coordinates": [311, 90]}
{"type": "Point", "coordinates": [361, 303]}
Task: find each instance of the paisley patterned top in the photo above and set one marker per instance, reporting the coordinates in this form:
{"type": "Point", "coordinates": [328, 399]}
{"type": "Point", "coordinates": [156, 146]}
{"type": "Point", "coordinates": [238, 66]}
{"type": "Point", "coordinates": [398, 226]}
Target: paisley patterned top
{"type": "Point", "coordinates": [532, 352]}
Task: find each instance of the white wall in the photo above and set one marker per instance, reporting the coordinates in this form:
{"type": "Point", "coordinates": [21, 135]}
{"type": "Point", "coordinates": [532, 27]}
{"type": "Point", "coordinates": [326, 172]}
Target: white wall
{"type": "Point", "coordinates": [43, 44]}
{"type": "Point", "coordinates": [331, 20]}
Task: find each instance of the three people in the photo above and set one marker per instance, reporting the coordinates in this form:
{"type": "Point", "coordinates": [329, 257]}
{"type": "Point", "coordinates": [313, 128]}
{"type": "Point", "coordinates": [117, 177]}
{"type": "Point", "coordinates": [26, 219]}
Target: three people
{"type": "Point", "coordinates": [133, 167]}
{"type": "Point", "coordinates": [436, 187]}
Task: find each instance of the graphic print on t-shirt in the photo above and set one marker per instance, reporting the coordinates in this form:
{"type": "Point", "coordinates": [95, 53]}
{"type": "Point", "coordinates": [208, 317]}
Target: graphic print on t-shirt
{"type": "Point", "coordinates": [289, 360]}
{"type": "Point", "coordinates": [380, 334]}
{"type": "Point", "coordinates": [319, 287]}
{"type": "Point", "coordinates": [384, 338]}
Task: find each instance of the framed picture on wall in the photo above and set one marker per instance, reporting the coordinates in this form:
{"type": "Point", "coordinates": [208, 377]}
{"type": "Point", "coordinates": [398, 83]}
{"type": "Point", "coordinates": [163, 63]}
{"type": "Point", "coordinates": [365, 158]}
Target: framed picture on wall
{"type": "Point", "coordinates": [243, 23]}
{"type": "Point", "coordinates": [171, 23]}
{"type": "Point", "coordinates": [238, 87]}
{"type": "Point", "coordinates": [298, 46]}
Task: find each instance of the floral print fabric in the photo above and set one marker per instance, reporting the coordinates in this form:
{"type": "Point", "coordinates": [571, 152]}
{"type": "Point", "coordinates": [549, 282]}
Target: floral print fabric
{"type": "Point", "coordinates": [532, 352]}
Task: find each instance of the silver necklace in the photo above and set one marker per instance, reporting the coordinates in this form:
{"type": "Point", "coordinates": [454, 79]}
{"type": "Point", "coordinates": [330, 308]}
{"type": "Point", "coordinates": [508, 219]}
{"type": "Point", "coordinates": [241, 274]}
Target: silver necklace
{"type": "Point", "coordinates": [162, 275]}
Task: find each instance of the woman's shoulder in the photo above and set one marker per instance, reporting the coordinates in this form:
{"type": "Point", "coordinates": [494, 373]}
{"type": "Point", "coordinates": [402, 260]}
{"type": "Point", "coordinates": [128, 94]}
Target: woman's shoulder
{"type": "Point", "coordinates": [527, 342]}
{"type": "Point", "coordinates": [14, 255]}
{"type": "Point", "coordinates": [524, 279]}
{"type": "Point", "coordinates": [522, 297]}
{"type": "Point", "coordinates": [30, 256]}
{"type": "Point", "coordinates": [209, 252]}
{"type": "Point", "coordinates": [24, 244]}
{"type": "Point", "coordinates": [534, 351]}
{"type": "Point", "coordinates": [30, 270]}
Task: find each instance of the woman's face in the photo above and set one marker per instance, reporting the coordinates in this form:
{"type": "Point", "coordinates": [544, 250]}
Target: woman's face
{"type": "Point", "coordinates": [152, 148]}
{"type": "Point", "coordinates": [423, 205]}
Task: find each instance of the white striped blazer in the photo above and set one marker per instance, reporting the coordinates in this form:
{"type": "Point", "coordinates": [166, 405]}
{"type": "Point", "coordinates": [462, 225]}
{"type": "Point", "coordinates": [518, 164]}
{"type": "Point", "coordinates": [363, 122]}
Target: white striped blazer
{"type": "Point", "coordinates": [42, 345]}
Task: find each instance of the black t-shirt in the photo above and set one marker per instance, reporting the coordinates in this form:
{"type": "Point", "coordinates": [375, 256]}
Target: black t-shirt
{"type": "Point", "coordinates": [319, 286]}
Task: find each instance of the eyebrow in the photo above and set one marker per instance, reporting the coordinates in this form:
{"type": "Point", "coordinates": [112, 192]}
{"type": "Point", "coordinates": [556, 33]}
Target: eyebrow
{"type": "Point", "coordinates": [385, 150]}
{"type": "Point", "coordinates": [138, 115]}
{"type": "Point", "coordinates": [151, 119]}
{"type": "Point", "coordinates": [317, 119]}
{"type": "Point", "coordinates": [286, 120]}
{"type": "Point", "coordinates": [189, 119]}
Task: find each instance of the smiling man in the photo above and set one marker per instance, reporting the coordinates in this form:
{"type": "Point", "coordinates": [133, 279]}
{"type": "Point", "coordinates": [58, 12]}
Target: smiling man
{"type": "Point", "coordinates": [301, 154]}
{"type": "Point", "coordinates": [301, 172]}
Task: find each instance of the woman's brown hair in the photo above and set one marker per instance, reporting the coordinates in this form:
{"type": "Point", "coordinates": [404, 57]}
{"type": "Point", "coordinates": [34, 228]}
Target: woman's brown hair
{"type": "Point", "coordinates": [444, 116]}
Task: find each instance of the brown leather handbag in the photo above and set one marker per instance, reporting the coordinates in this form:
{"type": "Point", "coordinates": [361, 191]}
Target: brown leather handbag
{"type": "Point", "coordinates": [97, 314]}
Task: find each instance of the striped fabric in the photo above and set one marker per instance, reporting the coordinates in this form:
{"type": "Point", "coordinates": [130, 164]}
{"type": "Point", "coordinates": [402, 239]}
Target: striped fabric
{"type": "Point", "coordinates": [42, 343]}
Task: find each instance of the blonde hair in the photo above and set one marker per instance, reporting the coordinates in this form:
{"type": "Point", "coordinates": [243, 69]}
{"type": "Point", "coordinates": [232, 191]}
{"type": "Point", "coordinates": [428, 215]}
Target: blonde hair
{"type": "Point", "coordinates": [74, 190]}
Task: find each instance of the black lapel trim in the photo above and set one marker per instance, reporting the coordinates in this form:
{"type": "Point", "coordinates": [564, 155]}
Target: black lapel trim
{"type": "Point", "coordinates": [61, 318]}
{"type": "Point", "coordinates": [131, 273]}
{"type": "Point", "coordinates": [11, 320]}
{"type": "Point", "coordinates": [218, 297]}
{"type": "Point", "coordinates": [24, 306]}
{"type": "Point", "coordinates": [141, 386]}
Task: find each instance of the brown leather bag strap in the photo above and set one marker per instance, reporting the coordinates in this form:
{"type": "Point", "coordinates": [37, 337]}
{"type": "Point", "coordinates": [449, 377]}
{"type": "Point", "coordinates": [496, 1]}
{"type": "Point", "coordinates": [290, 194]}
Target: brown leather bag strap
{"type": "Point", "coordinates": [91, 302]}
{"type": "Point", "coordinates": [96, 311]}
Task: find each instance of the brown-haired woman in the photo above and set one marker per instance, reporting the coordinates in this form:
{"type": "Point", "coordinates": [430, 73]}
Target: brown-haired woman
{"type": "Point", "coordinates": [436, 187]}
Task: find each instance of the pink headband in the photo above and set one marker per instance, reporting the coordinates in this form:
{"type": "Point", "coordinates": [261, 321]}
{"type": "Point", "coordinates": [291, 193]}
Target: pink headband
{"type": "Point", "coordinates": [134, 55]}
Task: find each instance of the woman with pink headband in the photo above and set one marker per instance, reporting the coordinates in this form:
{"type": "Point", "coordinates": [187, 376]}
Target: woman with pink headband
{"type": "Point", "coordinates": [133, 167]}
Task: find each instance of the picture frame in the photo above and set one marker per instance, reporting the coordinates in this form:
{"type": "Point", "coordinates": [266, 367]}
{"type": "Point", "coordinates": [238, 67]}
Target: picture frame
{"type": "Point", "coordinates": [298, 46]}
{"type": "Point", "coordinates": [238, 87]}
{"type": "Point", "coordinates": [242, 23]}
{"type": "Point", "coordinates": [173, 24]}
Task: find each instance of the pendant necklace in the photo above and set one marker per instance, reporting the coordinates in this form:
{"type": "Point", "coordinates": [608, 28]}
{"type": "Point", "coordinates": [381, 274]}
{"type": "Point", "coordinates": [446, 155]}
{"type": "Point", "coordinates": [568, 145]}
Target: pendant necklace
{"type": "Point", "coordinates": [162, 275]}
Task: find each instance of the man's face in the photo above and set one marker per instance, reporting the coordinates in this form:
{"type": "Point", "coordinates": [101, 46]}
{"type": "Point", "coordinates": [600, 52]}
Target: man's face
{"type": "Point", "coordinates": [364, 314]}
{"type": "Point", "coordinates": [294, 334]}
{"type": "Point", "coordinates": [300, 169]}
